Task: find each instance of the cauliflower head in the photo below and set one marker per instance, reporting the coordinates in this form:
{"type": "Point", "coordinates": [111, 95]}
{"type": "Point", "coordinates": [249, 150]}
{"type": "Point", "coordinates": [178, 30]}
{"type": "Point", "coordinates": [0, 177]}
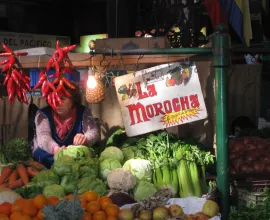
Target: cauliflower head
{"type": "Point", "coordinates": [121, 179]}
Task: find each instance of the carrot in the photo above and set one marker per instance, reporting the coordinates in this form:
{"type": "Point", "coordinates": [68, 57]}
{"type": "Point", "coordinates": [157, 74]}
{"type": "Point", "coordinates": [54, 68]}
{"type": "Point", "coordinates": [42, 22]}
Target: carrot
{"type": "Point", "coordinates": [16, 184]}
{"type": "Point", "coordinates": [31, 171]}
{"type": "Point", "coordinates": [13, 176]}
{"type": "Point", "coordinates": [36, 165]}
{"type": "Point", "coordinates": [5, 174]}
{"type": "Point", "coordinates": [21, 170]}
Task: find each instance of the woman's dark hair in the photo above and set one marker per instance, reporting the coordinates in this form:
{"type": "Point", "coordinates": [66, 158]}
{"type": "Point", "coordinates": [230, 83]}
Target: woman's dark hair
{"type": "Point", "coordinates": [76, 95]}
{"type": "Point", "coordinates": [32, 110]}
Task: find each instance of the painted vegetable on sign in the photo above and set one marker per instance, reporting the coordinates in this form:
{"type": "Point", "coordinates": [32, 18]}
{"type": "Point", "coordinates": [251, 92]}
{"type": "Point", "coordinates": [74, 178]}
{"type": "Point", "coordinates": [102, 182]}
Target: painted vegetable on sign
{"type": "Point", "coordinates": [17, 82]}
{"type": "Point", "coordinates": [53, 90]}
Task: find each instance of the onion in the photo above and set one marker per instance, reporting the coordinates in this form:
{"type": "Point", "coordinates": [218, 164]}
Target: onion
{"type": "Point", "coordinates": [255, 138]}
{"type": "Point", "coordinates": [250, 156]}
{"type": "Point", "coordinates": [238, 147]}
{"type": "Point", "coordinates": [267, 168]}
{"type": "Point", "coordinates": [260, 146]}
{"type": "Point", "coordinates": [231, 144]}
{"type": "Point", "coordinates": [236, 162]}
{"type": "Point", "coordinates": [267, 141]}
{"type": "Point", "coordinates": [255, 153]}
{"type": "Point", "coordinates": [265, 159]}
{"type": "Point", "coordinates": [233, 171]}
{"type": "Point", "coordinates": [234, 155]}
{"type": "Point", "coordinates": [246, 140]}
{"type": "Point", "coordinates": [258, 166]}
{"type": "Point", "coordinates": [245, 168]}
{"type": "Point", "coordinates": [250, 146]}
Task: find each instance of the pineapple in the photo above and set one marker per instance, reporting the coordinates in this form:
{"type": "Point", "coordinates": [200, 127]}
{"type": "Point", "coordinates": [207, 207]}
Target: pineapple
{"type": "Point", "coordinates": [96, 94]}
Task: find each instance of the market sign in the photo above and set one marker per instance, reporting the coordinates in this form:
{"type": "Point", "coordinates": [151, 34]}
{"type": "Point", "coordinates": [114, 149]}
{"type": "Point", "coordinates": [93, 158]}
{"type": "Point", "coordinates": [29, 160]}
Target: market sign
{"type": "Point", "coordinates": [160, 97]}
{"type": "Point", "coordinates": [17, 41]}
{"type": "Point", "coordinates": [87, 40]}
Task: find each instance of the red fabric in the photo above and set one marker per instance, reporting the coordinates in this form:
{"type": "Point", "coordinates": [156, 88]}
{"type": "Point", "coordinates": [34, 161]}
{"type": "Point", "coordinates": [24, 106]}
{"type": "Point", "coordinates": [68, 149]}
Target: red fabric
{"type": "Point", "coordinates": [216, 13]}
{"type": "Point", "coordinates": [63, 126]}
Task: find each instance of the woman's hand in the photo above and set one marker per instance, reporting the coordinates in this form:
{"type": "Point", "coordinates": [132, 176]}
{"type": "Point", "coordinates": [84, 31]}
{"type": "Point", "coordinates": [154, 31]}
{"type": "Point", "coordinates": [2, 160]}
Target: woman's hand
{"type": "Point", "coordinates": [57, 149]}
{"type": "Point", "coordinates": [80, 139]}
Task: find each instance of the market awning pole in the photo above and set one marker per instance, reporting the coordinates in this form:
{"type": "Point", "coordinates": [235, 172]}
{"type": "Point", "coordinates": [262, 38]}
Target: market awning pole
{"type": "Point", "coordinates": [171, 51]}
{"type": "Point", "coordinates": [220, 43]}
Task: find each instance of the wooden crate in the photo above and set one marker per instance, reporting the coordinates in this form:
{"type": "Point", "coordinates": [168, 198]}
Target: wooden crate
{"type": "Point", "coordinates": [247, 198]}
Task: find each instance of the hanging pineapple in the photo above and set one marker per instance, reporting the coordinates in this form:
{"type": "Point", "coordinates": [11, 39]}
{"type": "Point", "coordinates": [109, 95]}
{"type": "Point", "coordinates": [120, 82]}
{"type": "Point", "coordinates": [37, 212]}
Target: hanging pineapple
{"type": "Point", "coordinates": [95, 90]}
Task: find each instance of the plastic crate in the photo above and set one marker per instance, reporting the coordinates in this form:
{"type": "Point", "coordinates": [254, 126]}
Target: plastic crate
{"type": "Point", "coordinates": [247, 198]}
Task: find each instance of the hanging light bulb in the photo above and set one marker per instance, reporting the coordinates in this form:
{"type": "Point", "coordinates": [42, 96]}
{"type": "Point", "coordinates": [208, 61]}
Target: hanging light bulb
{"type": "Point", "coordinates": [91, 81]}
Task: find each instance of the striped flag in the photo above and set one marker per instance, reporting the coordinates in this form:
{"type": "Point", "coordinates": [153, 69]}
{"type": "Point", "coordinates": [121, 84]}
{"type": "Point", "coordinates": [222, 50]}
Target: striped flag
{"type": "Point", "coordinates": [215, 11]}
{"type": "Point", "coordinates": [238, 14]}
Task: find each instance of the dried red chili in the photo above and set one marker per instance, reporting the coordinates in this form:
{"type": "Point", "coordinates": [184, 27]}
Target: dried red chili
{"type": "Point", "coordinates": [18, 84]}
{"type": "Point", "coordinates": [4, 62]}
{"type": "Point", "coordinates": [6, 48]}
{"type": "Point", "coordinates": [68, 83]}
{"type": "Point", "coordinates": [51, 90]}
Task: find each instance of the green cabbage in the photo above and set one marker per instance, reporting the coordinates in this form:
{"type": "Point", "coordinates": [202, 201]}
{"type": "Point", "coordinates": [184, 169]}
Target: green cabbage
{"type": "Point", "coordinates": [89, 167]}
{"type": "Point", "coordinates": [64, 165]}
{"type": "Point", "coordinates": [54, 190]}
{"type": "Point", "coordinates": [69, 183]}
{"type": "Point", "coordinates": [45, 178]}
{"type": "Point", "coordinates": [144, 190]}
{"type": "Point", "coordinates": [106, 166]}
{"type": "Point", "coordinates": [113, 153]}
{"type": "Point", "coordinates": [129, 152]}
{"type": "Point", "coordinates": [76, 152]}
{"type": "Point", "coordinates": [140, 168]}
{"type": "Point", "coordinates": [91, 183]}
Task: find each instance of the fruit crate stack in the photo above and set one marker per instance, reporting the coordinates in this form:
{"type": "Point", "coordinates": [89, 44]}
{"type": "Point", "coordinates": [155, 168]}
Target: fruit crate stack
{"type": "Point", "coordinates": [253, 194]}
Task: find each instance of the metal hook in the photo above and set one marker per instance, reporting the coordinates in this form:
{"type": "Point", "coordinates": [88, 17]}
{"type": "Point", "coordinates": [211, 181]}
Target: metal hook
{"type": "Point", "coordinates": [120, 60]}
{"type": "Point", "coordinates": [107, 63]}
{"type": "Point", "coordinates": [168, 61]}
{"type": "Point", "coordinates": [186, 60]}
{"type": "Point", "coordinates": [137, 64]}
{"type": "Point", "coordinates": [91, 60]}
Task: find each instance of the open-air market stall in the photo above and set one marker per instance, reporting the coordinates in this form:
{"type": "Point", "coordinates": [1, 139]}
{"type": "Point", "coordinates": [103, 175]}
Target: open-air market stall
{"type": "Point", "coordinates": [168, 174]}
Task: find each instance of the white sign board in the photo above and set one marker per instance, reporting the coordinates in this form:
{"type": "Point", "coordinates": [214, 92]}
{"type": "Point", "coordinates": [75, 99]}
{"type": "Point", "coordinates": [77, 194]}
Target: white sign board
{"type": "Point", "coordinates": [160, 97]}
{"type": "Point", "coordinates": [17, 41]}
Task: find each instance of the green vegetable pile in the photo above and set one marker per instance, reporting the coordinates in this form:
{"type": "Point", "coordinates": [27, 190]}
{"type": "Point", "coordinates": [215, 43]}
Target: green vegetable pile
{"type": "Point", "coordinates": [78, 171]}
{"type": "Point", "coordinates": [261, 212]}
{"type": "Point", "coordinates": [164, 161]}
{"type": "Point", "coordinates": [15, 150]}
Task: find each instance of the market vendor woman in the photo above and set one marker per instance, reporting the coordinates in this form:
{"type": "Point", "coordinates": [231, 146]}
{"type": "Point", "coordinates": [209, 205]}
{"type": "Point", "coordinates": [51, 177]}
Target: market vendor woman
{"type": "Point", "coordinates": [70, 124]}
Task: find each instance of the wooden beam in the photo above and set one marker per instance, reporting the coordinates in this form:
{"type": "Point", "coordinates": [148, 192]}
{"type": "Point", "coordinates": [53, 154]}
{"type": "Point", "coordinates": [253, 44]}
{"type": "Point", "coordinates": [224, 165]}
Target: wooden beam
{"type": "Point", "coordinates": [86, 60]}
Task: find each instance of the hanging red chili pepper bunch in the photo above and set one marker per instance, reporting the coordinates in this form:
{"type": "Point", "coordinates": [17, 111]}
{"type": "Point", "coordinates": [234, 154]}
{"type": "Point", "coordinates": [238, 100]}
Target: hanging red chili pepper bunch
{"type": "Point", "coordinates": [57, 88]}
{"type": "Point", "coordinates": [18, 83]}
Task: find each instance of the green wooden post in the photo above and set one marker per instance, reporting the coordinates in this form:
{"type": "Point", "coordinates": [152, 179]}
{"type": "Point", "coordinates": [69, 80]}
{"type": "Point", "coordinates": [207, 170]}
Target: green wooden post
{"type": "Point", "coordinates": [220, 42]}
